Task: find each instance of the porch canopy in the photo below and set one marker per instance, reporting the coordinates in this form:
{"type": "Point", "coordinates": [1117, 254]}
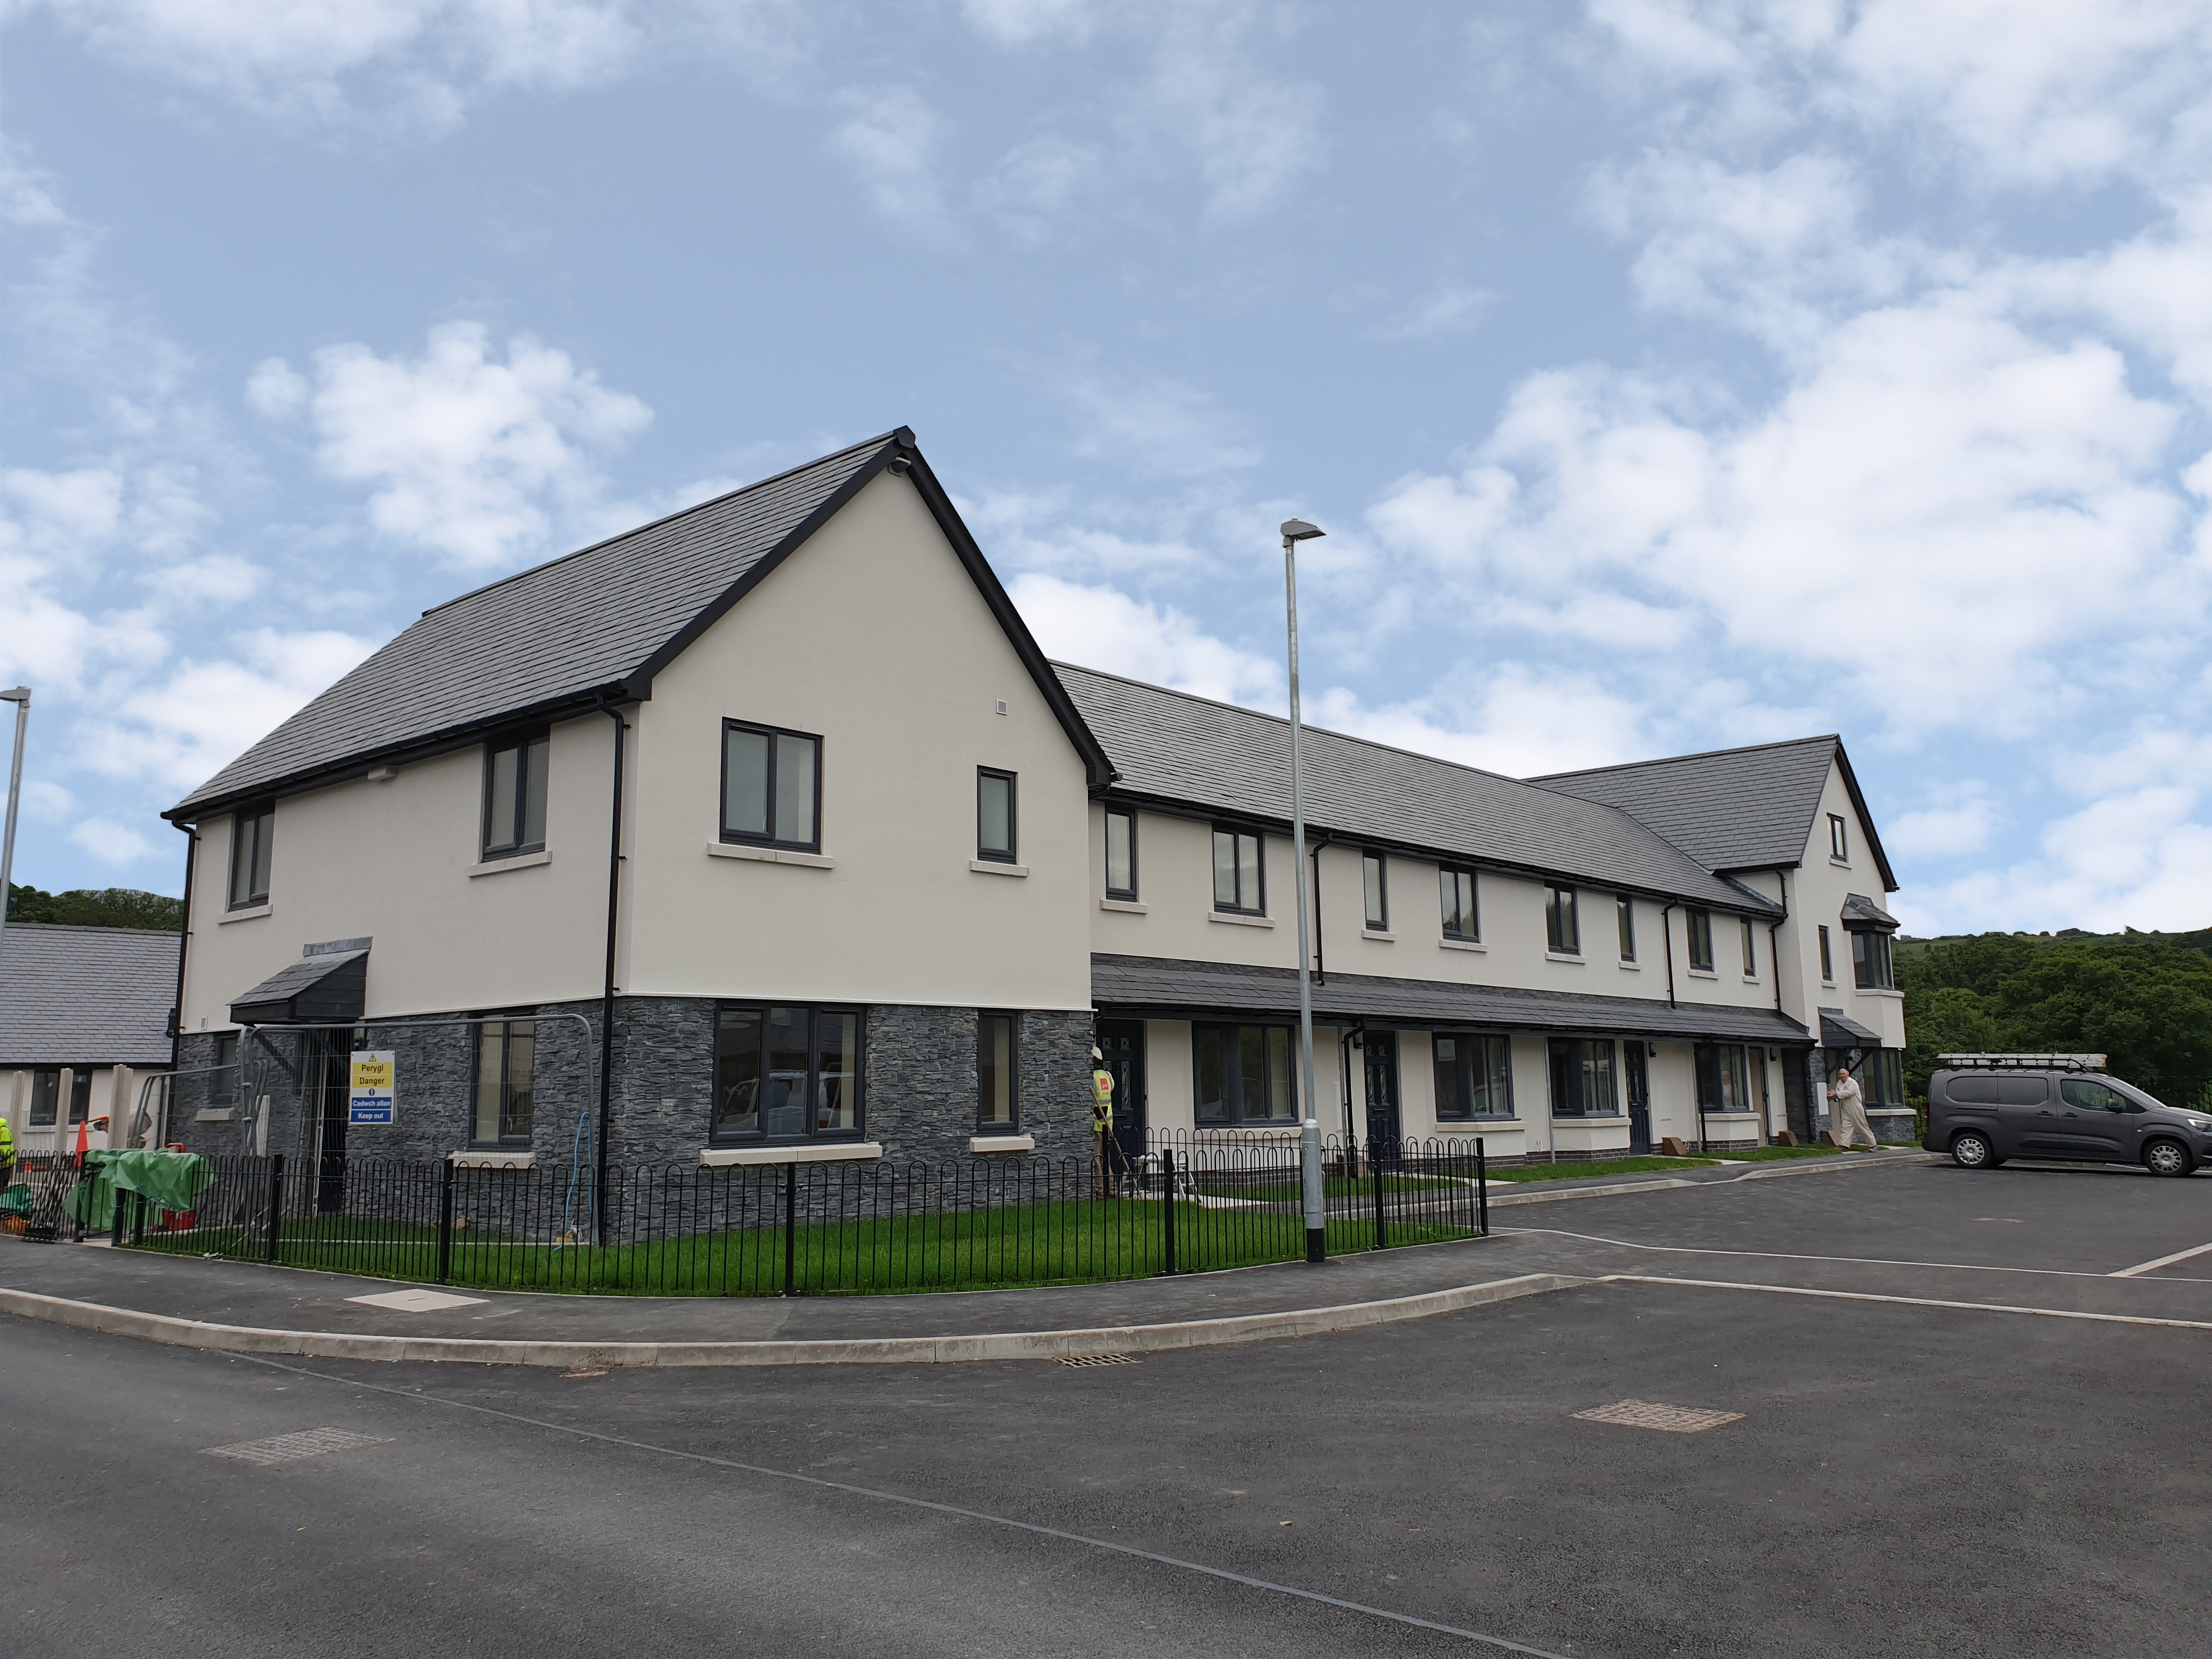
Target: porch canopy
{"type": "Point", "coordinates": [1158, 987]}
{"type": "Point", "coordinates": [327, 987]}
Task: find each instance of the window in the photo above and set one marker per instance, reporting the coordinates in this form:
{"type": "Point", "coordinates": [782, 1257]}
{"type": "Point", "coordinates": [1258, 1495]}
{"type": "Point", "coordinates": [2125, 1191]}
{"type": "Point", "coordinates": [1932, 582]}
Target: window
{"type": "Point", "coordinates": [514, 796]}
{"type": "Point", "coordinates": [1376, 880]}
{"type": "Point", "coordinates": [46, 1096]}
{"type": "Point", "coordinates": [1120, 853]}
{"type": "Point", "coordinates": [506, 1064]}
{"type": "Point", "coordinates": [1723, 1077]}
{"type": "Point", "coordinates": [1871, 965]}
{"type": "Point", "coordinates": [1563, 927]}
{"type": "Point", "coordinates": [1243, 1074]}
{"type": "Point", "coordinates": [1699, 924]}
{"type": "Point", "coordinates": [1474, 1075]}
{"type": "Point", "coordinates": [771, 786]}
{"type": "Point", "coordinates": [1625, 914]}
{"type": "Point", "coordinates": [1827, 960]}
{"type": "Point", "coordinates": [994, 815]}
{"type": "Point", "coordinates": [1839, 847]}
{"type": "Point", "coordinates": [223, 1085]}
{"type": "Point", "coordinates": [786, 1073]}
{"type": "Point", "coordinates": [2086, 1094]}
{"type": "Point", "coordinates": [1581, 1077]}
{"type": "Point", "coordinates": [997, 1096]}
{"type": "Point", "coordinates": [1883, 1082]}
{"type": "Point", "coordinates": [1750, 951]}
{"type": "Point", "coordinates": [1240, 875]}
{"type": "Point", "coordinates": [1463, 920]}
{"type": "Point", "coordinates": [252, 833]}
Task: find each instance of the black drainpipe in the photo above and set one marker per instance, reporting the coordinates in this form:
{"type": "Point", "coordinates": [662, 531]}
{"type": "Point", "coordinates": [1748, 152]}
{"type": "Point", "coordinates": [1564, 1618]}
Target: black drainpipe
{"type": "Point", "coordinates": [1774, 935]}
{"type": "Point", "coordinates": [1667, 932]}
{"type": "Point", "coordinates": [184, 945]}
{"type": "Point", "coordinates": [607, 996]}
{"type": "Point", "coordinates": [1321, 961]}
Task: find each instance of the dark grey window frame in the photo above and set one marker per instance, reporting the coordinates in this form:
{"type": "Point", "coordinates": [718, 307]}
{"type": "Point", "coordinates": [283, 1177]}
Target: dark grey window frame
{"type": "Point", "coordinates": [520, 744]}
{"type": "Point", "coordinates": [504, 1027]}
{"type": "Point", "coordinates": [1012, 1123]}
{"type": "Point", "coordinates": [46, 1081]}
{"type": "Point", "coordinates": [1750, 947]}
{"type": "Point", "coordinates": [1469, 931]}
{"type": "Point", "coordinates": [224, 1090]}
{"type": "Point", "coordinates": [1698, 929]}
{"type": "Point", "coordinates": [810, 1133]}
{"type": "Point", "coordinates": [1009, 853]}
{"type": "Point", "coordinates": [1623, 909]}
{"type": "Point", "coordinates": [1258, 864]}
{"type": "Point", "coordinates": [1578, 1106]}
{"type": "Point", "coordinates": [1707, 1068]}
{"type": "Point", "coordinates": [1873, 969]}
{"type": "Point", "coordinates": [258, 845]}
{"type": "Point", "coordinates": [746, 838]}
{"type": "Point", "coordinates": [1375, 903]}
{"type": "Point", "coordinates": [1839, 840]}
{"type": "Point", "coordinates": [1464, 1065]}
{"type": "Point", "coordinates": [1563, 904]}
{"type": "Point", "coordinates": [1235, 1116]}
{"type": "Point", "coordinates": [1828, 957]}
{"type": "Point", "coordinates": [1128, 894]}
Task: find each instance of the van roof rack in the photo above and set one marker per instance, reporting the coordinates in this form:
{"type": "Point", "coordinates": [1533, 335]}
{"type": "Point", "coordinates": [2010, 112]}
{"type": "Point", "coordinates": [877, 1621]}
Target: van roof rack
{"type": "Point", "coordinates": [2022, 1062]}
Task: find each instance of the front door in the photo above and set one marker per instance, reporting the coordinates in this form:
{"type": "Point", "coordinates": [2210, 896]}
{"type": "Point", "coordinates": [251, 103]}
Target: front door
{"type": "Point", "coordinates": [1122, 1043]}
{"type": "Point", "coordinates": [1639, 1100]}
{"type": "Point", "coordinates": [1381, 1051]}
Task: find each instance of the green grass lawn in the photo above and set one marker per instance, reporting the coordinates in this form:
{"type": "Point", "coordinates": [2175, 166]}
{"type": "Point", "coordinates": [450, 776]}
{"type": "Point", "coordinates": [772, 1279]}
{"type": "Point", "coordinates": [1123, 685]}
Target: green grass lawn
{"type": "Point", "coordinates": [1609, 1166]}
{"type": "Point", "coordinates": [1335, 1187]}
{"type": "Point", "coordinates": [991, 1249]}
{"type": "Point", "coordinates": [1762, 1153]}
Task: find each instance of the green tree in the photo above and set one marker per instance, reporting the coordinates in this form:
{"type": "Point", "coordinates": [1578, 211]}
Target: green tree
{"type": "Point", "coordinates": [105, 907]}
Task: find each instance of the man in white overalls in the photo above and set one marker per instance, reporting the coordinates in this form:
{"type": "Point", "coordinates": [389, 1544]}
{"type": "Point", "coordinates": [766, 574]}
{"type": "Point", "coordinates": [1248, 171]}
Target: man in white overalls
{"type": "Point", "coordinates": [1849, 1113]}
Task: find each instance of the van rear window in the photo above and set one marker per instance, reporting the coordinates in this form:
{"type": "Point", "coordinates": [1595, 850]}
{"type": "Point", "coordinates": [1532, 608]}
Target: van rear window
{"type": "Point", "coordinates": [1972, 1091]}
{"type": "Point", "coordinates": [2023, 1090]}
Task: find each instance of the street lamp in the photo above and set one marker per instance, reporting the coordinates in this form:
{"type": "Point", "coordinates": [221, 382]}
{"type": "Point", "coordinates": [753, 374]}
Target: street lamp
{"type": "Point", "coordinates": [1294, 532]}
{"type": "Point", "coordinates": [21, 696]}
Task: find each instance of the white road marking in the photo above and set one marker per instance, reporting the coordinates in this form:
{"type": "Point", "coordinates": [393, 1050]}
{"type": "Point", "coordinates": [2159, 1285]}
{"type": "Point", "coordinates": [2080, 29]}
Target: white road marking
{"type": "Point", "coordinates": [2163, 1261]}
{"type": "Point", "coordinates": [1909, 1301]}
{"type": "Point", "coordinates": [1853, 1260]}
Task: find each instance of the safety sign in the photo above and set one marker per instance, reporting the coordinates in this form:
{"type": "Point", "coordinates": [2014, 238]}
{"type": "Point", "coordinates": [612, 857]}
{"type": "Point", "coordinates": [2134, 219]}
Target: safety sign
{"type": "Point", "coordinates": [372, 1097]}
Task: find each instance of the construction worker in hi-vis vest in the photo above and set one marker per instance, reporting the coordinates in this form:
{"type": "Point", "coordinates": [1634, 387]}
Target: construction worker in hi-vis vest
{"type": "Point", "coordinates": [1101, 1118]}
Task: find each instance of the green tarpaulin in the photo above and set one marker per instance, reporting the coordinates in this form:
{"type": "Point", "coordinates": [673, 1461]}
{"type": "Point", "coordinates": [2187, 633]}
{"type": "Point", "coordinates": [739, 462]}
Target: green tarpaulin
{"type": "Point", "coordinates": [170, 1180]}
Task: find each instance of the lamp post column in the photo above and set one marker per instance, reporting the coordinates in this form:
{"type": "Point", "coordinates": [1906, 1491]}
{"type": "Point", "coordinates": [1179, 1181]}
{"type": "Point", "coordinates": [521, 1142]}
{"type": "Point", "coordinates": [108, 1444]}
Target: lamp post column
{"type": "Point", "coordinates": [21, 696]}
{"type": "Point", "coordinates": [1316, 1204]}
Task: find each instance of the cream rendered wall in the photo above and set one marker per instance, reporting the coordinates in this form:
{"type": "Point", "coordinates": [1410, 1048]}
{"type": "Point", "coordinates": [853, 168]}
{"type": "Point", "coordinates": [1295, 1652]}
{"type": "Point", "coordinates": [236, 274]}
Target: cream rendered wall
{"type": "Point", "coordinates": [873, 635]}
{"type": "Point", "coordinates": [16, 1107]}
{"type": "Point", "coordinates": [393, 861]}
{"type": "Point", "coordinates": [1817, 890]}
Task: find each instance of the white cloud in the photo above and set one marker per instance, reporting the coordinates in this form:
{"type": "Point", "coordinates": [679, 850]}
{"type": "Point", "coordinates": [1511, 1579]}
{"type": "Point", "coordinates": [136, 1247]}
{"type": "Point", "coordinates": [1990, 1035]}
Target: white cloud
{"type": "Point", "coordinates": [1510, 718]}
{"type": "Point", "coordinates": [47, 801]}
{"type": "Point", "coordinates": [1103, 628]}
{"type": "Point", "coordinates": [478, 459]}
{"type": "Point", "coordinates": [1935, 832]}
{"type": "Point", "coordinates": [890, 138]}
{"type": "Point", "coordinates": [111, 842]}
{"type": "Point", "coordinates": [1450, 310]}
{"type": "Point", "coordinates": [1156, 425]}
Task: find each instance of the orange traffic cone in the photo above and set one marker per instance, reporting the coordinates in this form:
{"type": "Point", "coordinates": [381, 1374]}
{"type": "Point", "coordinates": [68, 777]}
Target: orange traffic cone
{"type": "Point", "coordinates": [83, 1142]}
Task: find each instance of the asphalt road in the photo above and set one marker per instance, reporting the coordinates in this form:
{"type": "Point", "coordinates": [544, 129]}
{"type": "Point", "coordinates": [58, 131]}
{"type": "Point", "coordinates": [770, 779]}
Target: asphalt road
{"type": "Point", "coordinates": [1903, 1480]}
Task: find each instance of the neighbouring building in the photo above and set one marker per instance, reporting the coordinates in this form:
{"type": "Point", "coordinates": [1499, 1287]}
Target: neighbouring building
{"type": "Point", "coordinates": [779, 792]}
{"type": "Point", "coordinates": [84, 1016]}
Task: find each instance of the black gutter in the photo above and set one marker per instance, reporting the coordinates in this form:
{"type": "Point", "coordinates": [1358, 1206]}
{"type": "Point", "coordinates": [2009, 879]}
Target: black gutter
{"type": "Point", "coordinates": [607, 995]}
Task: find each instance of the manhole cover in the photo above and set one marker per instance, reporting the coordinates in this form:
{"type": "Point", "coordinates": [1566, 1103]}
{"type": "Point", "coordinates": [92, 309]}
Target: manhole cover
{"type": "Point", "coordinates": [306, 1443]}
{"type": "Point", "coordinates": [1644, 1414]}
{"type": "Point", "coordinates": [1100, 1359]}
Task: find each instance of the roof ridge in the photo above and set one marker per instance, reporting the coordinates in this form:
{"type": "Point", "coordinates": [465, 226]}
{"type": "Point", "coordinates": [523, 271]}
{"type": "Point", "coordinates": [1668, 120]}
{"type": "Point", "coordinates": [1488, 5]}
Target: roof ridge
{"type": "Point", "coordinates": [1701, 754]}
{"type": "Point", "coordinates": [92, 927]}
{"type": "Point", "coordinates": [666, 518]}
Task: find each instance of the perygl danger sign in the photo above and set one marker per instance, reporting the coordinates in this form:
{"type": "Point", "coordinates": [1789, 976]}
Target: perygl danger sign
{"type": "Point", "coordinates": [373, 1093]}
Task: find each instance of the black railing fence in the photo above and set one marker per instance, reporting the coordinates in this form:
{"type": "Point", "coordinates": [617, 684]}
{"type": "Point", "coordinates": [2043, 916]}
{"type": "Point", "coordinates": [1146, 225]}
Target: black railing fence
{"type": "Point", "coordinates": [1188, 1204]}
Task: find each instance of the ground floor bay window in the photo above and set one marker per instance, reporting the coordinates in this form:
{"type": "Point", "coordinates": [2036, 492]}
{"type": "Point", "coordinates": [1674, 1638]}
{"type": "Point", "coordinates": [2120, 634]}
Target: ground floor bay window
{"type": "Point", "coordinates": [786, 1073]}
{"type": "Point", "coordinates": [1583, 1079]}
{"type": "Point", "coordinates": [1243, 1075]}
{"type": "Point", "coordinates": [1474, 1075]}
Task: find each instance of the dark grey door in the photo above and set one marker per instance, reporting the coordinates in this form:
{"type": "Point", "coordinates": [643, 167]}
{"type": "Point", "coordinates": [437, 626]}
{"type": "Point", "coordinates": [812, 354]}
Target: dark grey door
{"type": "Point", "coordinates": [1122, 1043]}
{"type": "Point", "coordinates": [2030, 1116]}
{"type": "Point", "coordinates": [1639, 1098]}
{"type": "Point", "coordinates": [1381, 1051]}
{"type": "Point", "coordinates": [2093, 1118]}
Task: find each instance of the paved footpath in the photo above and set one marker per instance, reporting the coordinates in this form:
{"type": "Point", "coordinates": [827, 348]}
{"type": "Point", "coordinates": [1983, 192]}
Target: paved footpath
{"type": "Point", "coordinates": [1715, 1228]}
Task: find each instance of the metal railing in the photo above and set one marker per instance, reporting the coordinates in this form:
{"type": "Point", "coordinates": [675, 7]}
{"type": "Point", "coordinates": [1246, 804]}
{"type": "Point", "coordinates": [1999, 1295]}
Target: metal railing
{"type": "Point", "coordinates": [1188, 1204]}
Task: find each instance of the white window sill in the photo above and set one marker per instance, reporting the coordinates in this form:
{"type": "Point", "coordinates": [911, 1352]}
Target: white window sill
{"type": "Point", "coordinates": [486, 1159]}
{"type": "Point", "coordinates": [1730, 1117]}
{"type": "Point", "coordinates": [1828, 985]}
{"type": "Point", "coordinates": [730, 849]}
{"type": "Point", "coordinates": [1562, 955]}
{"type": "Point", "coordinates": [1751, 979]}
{"type": "Point", "coordinates": [1701, 973]}
{"type": "Point", "coordinates": [833, 1151]}
{"type": "Point", "coordinates": [255, 914]}
{"type": "Point", "coordinates": [1463, 1126]}
{"type": "Point", "coordinates": [989, 867]}
{"type": "Point", "coordinates": [1877, 991]}
{"type": "Point", "coordinates": [1127, 907]}
{"type": "Point", "coordinates": [1632, 967]}
{"type": "Point", "coordinates": [1228, 921]}
{"type": "Point", "coordinates": [498, 866]}
{"type": "Point", "coordinates": [1461, 944]}
{"type": "Point", "coordinates": [1840, 863]}
{"type": "Point", "coordinates": [1379, 935]}
{"type": "Point", "coordinates": [1002, 1143]}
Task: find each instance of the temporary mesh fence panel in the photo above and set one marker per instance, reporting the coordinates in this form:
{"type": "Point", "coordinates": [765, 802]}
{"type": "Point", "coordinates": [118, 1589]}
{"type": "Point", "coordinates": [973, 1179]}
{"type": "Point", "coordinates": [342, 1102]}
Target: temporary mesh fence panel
{"type": "Point", "coordinates": [1188, 1205]}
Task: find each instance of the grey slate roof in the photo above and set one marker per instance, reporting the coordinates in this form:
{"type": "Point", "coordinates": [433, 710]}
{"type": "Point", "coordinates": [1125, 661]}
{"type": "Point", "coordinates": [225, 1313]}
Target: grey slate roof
{"type": "Point", "coordinates": [1839, 1031]}
{"type": "Point", "coordinates": [1862, 913]}
{"type": "Point", "coordinates": [1133, 985]}
{"type": "Point", "coordinates": [1171, 746]}
{"type": "Point", "coordinates": [1731, 808]}
{"type": "Point", "coordinates": [556, 633]}
{"type": "Point", "coordinates": [322, 987]}
{"type": "Point", "coordinates": [86, 996]}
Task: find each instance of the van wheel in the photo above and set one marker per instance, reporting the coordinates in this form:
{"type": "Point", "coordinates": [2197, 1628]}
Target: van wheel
{"type": "Point", "coordinates": [2168, 1158]}
{"type": "Point", "coordinates": [1970, 1150]}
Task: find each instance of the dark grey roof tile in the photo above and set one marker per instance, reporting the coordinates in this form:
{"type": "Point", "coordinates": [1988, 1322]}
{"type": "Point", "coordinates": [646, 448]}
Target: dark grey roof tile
{"type": "Point", "coordinates": [86, 996]}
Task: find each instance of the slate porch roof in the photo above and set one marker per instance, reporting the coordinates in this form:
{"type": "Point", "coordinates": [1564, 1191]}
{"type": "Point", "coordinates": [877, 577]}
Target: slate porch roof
{"type": "Point", "coordinates": [86, 996]}
{"type": "Point", "coordinates": [594, 626]}
{"type": "Point", "coordinates": [1171, 747]}
{"type": "Point", "coordinates": [1732, 809]}
{"type": "Point", "coordinates": [1163, 987]}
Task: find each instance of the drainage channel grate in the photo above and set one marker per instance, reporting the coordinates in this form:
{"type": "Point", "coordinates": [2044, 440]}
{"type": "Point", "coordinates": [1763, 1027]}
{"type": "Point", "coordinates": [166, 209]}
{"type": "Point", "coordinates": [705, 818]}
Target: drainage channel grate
{"type": "Point", "coordinates": [1101, 1359]}
{"type": "Point", "coordinates": [306, 1443]}
{"type": "Point", "coordinates": [1643, 1414]}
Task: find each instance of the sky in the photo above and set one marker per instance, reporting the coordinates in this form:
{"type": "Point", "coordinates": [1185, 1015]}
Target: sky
{"type": "Point", "coordinates": [1668, 375]}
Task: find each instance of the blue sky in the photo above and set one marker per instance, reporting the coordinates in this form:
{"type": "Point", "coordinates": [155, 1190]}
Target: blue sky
{"type": "Point", "coordinates": [1668, 375]}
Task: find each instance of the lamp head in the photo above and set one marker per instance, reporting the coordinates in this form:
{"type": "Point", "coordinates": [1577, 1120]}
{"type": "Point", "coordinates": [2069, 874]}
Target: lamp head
{"type": "Point", "coordinates": [16, 694]}
{"type": "Point", "coordinates": [1298, 530]}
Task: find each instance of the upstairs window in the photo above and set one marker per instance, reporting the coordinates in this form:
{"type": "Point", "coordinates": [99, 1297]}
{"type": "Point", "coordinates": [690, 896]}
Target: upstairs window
{"type": "Point", "coordinates": [1871, 965]}
{"type": "Point", "coordinates": [771, 786]}
{"type": "Point", "coordinates": [1563, 927]}
{"type": "Point", "coordinates": [515, 795]}
{"type": "Point", "coordinates": [1625, 913]}
{"type": "Point", "coordinates": [1121, 853]}
{"type": "Point", "coordinates": [1700, 926]}
{"type": "Point", "coordinates": [1240, 875]}
{"type": "Point", "coordinates": [506, 1064]}
{"type": "Point", "coordinates": [998, 1105]}
{"type": "Point", "coordinates": [1750, 951]}
{"type": "Point", "coordinates": [1827, 960]}
{"type": "Point", "coordinates": [1462, 920]}
{"type": "Point", "coordinates": [1474, 1075]}
{"type": "Point", "coordinates": [253, 831]}
{"type": "Point", "coordinates": [994, 815]}
{"type": "Point", "coordinates": [1376, 878]}
{"type": "Point", "coordinates": [1838, 845]}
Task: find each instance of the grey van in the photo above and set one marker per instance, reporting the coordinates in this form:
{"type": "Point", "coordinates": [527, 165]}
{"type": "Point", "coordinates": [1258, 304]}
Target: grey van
{"type": "Point", "coordinates": [1983, 1114]}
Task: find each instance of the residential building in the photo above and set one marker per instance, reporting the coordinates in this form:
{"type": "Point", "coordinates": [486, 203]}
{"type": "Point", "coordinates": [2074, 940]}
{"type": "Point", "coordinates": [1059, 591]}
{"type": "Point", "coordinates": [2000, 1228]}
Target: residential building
{"type": "Point", "coordinates": [84, 1018]}
{"type": "Point", "coordinates": [780, 792]}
